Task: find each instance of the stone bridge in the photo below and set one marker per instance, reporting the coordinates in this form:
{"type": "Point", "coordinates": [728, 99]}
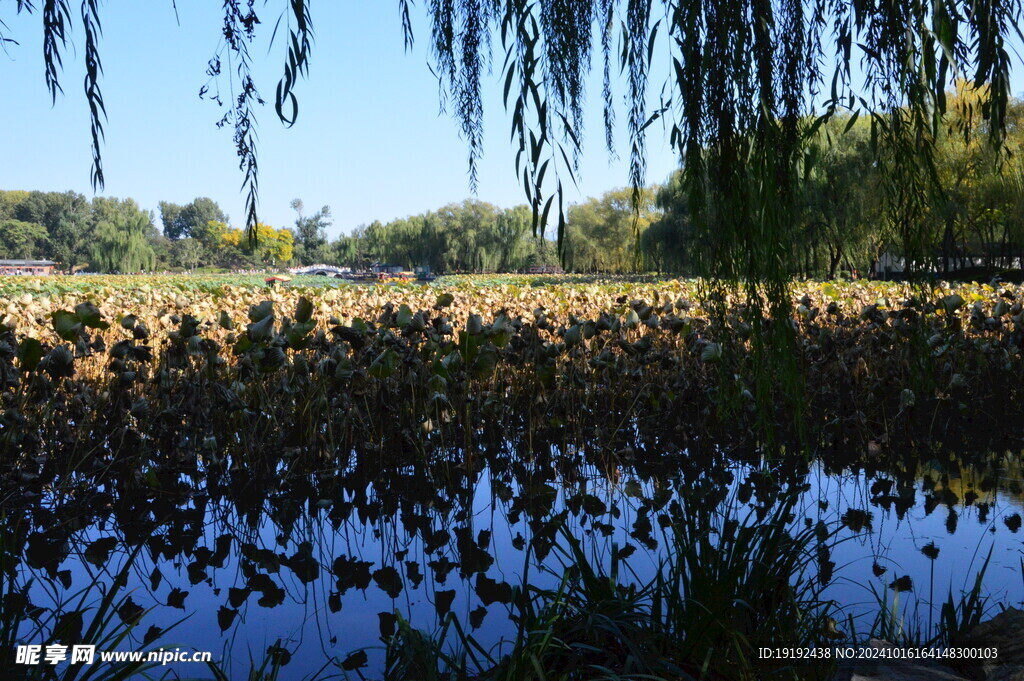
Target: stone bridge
{"type": "Point", "coordinates": [320, 270]}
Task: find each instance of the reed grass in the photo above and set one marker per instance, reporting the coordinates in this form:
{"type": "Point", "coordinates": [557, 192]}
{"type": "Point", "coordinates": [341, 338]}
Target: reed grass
{"type": "Point", "coordinates": [724, 587]}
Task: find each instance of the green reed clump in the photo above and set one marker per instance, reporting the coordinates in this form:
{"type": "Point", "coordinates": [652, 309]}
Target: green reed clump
{"type": "Point", "coordinates": [98, 614]}
{"type": "Point", "coordinates": [724, 587]}
{"type": "Point", "coordinates": [735, 584]}
{"type": "Point", "coordinates": [958, 614]}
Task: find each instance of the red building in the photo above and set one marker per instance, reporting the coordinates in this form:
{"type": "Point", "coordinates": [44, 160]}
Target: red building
{"type": "Point", "coordinates": [38, 268]}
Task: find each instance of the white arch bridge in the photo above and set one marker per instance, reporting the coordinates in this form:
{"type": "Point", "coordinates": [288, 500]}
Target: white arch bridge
{"type": "Point", "coordinates": [321, 270]}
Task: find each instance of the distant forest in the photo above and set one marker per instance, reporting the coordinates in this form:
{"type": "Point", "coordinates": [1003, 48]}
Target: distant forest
{"type": "Point", "coordinates": [116, 235]}
{"type": "Point", "coordinates": [974, 218]}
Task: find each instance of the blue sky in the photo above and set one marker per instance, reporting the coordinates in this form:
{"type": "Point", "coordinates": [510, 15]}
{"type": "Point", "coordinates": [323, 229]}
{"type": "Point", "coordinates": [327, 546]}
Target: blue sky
{"type": "Point", "coordinates": [370, 141]}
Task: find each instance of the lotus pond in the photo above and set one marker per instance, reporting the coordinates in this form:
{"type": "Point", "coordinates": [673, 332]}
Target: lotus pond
{"type": "Point", "coordinates": [491, 478]}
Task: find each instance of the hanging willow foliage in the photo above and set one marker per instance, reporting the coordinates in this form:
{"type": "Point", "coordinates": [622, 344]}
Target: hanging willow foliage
{"type": "Point", "coordinates": [748, 82]}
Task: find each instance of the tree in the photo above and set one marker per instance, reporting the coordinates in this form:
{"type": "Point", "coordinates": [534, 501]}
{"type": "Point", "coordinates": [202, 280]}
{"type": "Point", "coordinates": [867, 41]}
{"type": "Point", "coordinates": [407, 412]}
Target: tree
{"type": "Point", "coordinates": [972, 216]}
{"type": "Point", "coordinates": [120, 244]}
{"type": "Point", "coordinates": [461, 236]}
{"type": "Point", "coordinates": [183, 222]}
{"type": "Point", "coordinates": [21, 239]}
{"type": "Point", "coordinates": [64, 215]}
{"type": "Point", "coordinates": [188, 253]}
{"type": "Point", "coordinates": [274, 247]}
{"type": "Point", "coordinates": [210, 234]}
{"type": "Point", "coordinates": [603, 231]}
{"type": "Point", "coordinates": [472, 236]}
{"type": "Point", "coordinates": [346, 250]}
{"type": "Point", "coordinates": [310, 234]}
{"type": "Point", "coordinates": [10, 200]}
{"type": "Point", "coordinates": [512, 231]}
{"type": "Point", "coordinates": [669, 243]}
{"type": "Point", "coordinates": [842, 199]}
{"type": "Point", "coordinates": [68, 226]}
{"type": "Point", "coordinates": [974, 206]}
{"type": "Point", "coordinates": [170, 216]}
{"type": "Point", "coordinates": [110, 208]}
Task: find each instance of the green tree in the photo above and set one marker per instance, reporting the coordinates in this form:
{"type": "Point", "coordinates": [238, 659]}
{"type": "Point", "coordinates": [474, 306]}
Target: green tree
{"type": "Point", "coordinates": [10, 200]}
{"type": "Point", "coordinates": [183, 222]}
{"type": "Point", "coordinates": [346, 250]}
{"type": "Point", "coordinates": [514, 246]}
{"type": "Point", "coordinates": [973, 210]}
{"type": "Point", "coordinates": [64, 215]}
{"type": "Point", "coordinates": [170, 216]}
{"type": "Point", "coordinates": [843, 223]}
{"type": "Point", "coordinates": [21, 239]}
{"type": "Point", "coordinates": [210, 234]}
{"type": "Point", "coordinates": [189, 253]}
{"type": "Point", "coordinates": [471, 236]}
{"type": "Point", "coordinates": [668, 244]}
{"type": "Point", "coordinates": [68, 225]}
{"type": "Point", "coordinates": [121, 244]}
{"type": "Point", "coordinates": [603, 232]}
{"type": "Point", "coordinates": [310, 234]}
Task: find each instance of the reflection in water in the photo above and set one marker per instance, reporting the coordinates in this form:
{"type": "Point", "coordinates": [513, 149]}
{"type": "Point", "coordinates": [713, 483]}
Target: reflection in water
{"type": "Point", "coordinates": [318, 567]}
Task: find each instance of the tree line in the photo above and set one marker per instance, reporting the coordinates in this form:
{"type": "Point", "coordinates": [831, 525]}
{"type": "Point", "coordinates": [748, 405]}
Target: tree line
{"type": "Point", "coordinates": [974, 217]}
{"type": "Point", "coordinates": [107, 234]}
{"type": "Point", "coordinates": [472, 236]}
{"type": "Point", "coordinates": [116, 235]}
{"type": "Point", "coordinates": [971, 216]}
